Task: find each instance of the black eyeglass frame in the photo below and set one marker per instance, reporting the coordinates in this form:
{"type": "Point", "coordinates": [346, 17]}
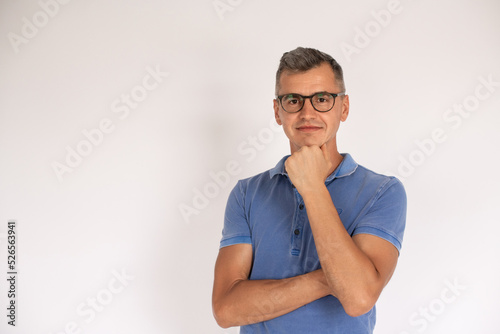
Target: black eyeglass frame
{"type": "Point", "coordinates": [280, 97]}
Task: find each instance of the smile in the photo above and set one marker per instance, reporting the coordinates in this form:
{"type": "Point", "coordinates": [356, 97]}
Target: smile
{"type": "Point", "coordinates": [308, 128]}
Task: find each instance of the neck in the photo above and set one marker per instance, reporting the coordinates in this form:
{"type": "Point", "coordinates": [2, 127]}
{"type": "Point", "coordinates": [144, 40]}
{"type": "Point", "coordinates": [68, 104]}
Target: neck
{"type": "Point", "coordinates": [335, 158]}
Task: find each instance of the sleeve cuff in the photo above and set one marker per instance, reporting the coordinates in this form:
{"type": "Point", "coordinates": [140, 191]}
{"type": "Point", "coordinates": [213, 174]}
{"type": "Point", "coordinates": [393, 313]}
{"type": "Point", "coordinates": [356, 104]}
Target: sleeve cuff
{"type": "Point", "coordinates": [378, 233]}
{"type": "Point", "coordinates": [235, 240]}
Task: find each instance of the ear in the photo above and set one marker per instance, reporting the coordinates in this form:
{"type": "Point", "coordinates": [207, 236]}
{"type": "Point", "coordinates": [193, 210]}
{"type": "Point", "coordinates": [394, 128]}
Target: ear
{"type": "Point", "coordinates": [345, 108]}
{"type": "Point", "coordinates": [276, 111]}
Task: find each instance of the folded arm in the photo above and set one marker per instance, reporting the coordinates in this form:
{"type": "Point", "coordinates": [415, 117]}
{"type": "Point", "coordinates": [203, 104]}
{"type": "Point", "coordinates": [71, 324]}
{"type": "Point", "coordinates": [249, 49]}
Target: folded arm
{"type": "Point", "coordinates": [238, 301]}
{"type": "Point", "coordinates": [356, 268]}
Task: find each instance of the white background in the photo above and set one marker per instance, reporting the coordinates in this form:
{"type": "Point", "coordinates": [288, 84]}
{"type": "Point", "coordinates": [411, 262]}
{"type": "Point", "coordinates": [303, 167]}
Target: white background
{"type": "Point", "coordinates": [119, 208]}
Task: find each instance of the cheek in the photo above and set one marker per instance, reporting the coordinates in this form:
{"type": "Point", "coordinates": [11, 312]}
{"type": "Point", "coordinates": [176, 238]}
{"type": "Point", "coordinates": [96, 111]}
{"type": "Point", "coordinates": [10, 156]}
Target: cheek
{"type": "Point", "coordinates": [287, 126]}
{"type": "Point", "coordinates": [332, 125]}
{"type": "Point", "coordinates": [286, 121]}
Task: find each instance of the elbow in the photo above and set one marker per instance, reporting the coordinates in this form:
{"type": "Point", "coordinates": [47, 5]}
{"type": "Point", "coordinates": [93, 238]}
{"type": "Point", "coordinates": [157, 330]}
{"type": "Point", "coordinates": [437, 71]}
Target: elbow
{"type": "Point", "coordinates": [356, 311]}
{"type": "Point", "coordinates": [221, 315]}
{"type": "Point", "coordinates": [222, 323]}
{"type": "Point", "coordinates": [224, 311]}
{"type": "Point", "coordinates": [359, 306]}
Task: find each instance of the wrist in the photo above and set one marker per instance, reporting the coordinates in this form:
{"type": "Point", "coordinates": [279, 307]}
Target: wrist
{"type": "Point", "coordinates": [312, 191]}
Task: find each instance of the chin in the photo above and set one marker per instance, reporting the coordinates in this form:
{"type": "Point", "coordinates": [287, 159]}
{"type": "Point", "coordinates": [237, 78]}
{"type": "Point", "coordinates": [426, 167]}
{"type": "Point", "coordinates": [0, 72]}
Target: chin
{"type": "Point", "coordinates": [307, 143]}
{"type": "Point", "coordinates": [313, 141]}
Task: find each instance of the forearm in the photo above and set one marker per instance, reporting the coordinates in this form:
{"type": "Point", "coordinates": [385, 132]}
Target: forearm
{"type": "Point", "coordinates": [350, 274]}
{"type": "Point", "coordinates": [252, 301]}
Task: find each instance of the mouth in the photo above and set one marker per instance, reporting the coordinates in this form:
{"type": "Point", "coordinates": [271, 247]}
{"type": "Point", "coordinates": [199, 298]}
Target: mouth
{"type": "Point", "coordinates": [308, 128]}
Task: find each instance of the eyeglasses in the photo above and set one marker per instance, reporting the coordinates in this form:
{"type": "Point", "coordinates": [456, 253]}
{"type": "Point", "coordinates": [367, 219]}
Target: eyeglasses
{"type": "Point", "coordinates": [322, 101]}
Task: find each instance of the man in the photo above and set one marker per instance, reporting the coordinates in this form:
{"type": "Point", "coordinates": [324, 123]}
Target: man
{"type": "Point", "coordinates": [308, 246]}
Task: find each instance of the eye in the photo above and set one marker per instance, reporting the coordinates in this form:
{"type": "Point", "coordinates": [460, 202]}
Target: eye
{"type": "Point", "coordinates": [291, 99]}
{"type": "Point", "coordinates": [323, 98]}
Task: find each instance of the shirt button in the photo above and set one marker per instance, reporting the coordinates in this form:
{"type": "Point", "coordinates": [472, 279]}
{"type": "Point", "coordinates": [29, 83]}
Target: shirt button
{"type": "Point", "coordinates": [301, 206]}
{"type": "Point", "coordinates": [296, 232]}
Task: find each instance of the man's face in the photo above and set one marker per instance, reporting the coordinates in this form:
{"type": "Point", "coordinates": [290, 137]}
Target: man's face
{"type": "Point", "coordinates": [309, 127]}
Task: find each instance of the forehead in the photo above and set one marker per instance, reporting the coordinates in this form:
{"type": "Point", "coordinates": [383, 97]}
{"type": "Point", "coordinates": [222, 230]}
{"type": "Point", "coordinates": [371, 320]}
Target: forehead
{"type": "Point", "coordinates": [317, 79]}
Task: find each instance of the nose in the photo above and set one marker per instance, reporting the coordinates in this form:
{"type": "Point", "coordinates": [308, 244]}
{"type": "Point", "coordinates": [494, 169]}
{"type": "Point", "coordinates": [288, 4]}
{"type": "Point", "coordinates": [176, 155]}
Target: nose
{"type": "Point", "coordinates": [308, 110]}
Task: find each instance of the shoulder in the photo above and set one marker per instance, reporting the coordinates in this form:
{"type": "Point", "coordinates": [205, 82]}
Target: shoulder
{"type": "Point", "coordinates": [384, 212]}
{"type": "Point", "coordinates": [362, 182]}
{"type": "Point", "coordinates": [380, 181]}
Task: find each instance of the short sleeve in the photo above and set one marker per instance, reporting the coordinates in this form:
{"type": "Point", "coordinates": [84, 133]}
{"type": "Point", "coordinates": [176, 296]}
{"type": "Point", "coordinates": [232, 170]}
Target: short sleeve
{"type": "Point", "coordinates": [236, 229]}
{"type": "Point", "coordinates": [386, 217]}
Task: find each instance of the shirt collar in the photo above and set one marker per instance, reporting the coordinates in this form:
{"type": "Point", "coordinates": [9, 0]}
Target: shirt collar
{"type": "Point", "coordinates": [346, 167]}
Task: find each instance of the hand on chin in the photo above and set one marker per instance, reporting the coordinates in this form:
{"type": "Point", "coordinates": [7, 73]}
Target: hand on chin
{"type": "Point", "coordinates": [307, 142]}
{"type": "Point", "coordinates": [313, 141]}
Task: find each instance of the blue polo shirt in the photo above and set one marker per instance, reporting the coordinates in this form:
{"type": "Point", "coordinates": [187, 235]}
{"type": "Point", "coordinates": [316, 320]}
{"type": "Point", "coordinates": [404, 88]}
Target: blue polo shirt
{"type": "Point", "coordinates": [267, 212]}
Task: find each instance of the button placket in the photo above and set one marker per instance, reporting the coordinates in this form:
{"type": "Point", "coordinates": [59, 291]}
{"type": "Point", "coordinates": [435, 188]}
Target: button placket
{"type": "Point", "coordinates": [298, 224]}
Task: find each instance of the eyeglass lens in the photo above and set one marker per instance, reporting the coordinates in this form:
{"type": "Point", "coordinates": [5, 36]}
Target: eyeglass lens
{"type": "Point", "coordinates": [295, 102]}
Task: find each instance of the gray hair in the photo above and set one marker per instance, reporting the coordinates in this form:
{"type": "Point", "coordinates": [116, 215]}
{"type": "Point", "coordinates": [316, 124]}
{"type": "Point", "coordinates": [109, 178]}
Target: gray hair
{"type": "Point", "coordinates": [303, 59]}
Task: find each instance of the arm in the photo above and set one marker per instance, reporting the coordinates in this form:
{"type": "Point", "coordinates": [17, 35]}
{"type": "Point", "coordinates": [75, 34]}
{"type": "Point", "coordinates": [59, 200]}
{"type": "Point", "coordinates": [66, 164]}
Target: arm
{"type": "Point", "coordinates": [238, 301]}
{"type": "Point", "coordinates": [357, 268]}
